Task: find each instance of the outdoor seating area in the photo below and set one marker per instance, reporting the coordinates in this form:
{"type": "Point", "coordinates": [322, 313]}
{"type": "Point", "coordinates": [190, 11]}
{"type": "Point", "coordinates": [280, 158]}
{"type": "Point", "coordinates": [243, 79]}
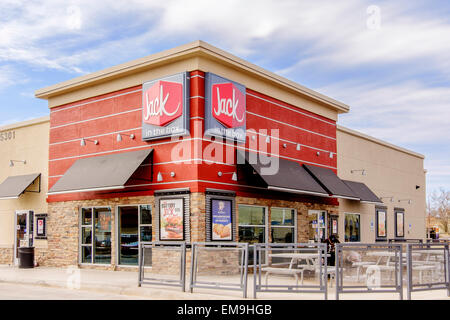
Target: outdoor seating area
{"type": "Point", "coordinates": [301, 268]}
{"type": "Point", "coordinates": [298, 263]}
{"type": "Point", "coordinates": [390, 267]}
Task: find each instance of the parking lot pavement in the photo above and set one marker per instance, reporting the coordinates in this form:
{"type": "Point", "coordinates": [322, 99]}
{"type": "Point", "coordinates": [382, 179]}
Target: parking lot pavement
{"type": "Point", "coordinates": [10, 291]}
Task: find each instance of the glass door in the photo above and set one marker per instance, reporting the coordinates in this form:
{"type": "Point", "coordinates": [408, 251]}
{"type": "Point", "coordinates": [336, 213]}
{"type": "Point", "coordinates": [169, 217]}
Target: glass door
{"type": "Point", "coordinates": [129, 237]}
{"type": "Point", "coordinates": [317, 221]}
{"type": "Point", "coordinates": [135, 225]}
{"type": "Point", "coordinates": [23, 231]}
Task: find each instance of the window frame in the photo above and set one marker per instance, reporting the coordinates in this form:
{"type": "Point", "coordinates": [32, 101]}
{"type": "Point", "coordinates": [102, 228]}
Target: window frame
{"type": "Point", "coordinates": [80, 243]}
{"type": "Point", "coordinates": [266, 220]}
{"type": "Point", "coordinates": [360, 226]}
{"type": "Point", "coordinates": [294, 226]}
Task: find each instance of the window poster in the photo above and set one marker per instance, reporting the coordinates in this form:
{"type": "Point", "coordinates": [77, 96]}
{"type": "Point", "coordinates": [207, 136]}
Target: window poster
{"type": "Point", "coordinates": [104, 221]}
{"type": "Point", "coordinates": [399, 217]}
{"type": "Point", "coordinates": [221, 219]}
{"type": "Point", "coordinates": [171, 219]}
{"type": "Point", "coordinates": [334, 227]}
{"type": "Point", "coordinates": [381, 224]}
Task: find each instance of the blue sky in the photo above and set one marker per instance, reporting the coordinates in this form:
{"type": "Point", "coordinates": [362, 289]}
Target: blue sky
{"type": "Point", "coordinates": [388, 60]}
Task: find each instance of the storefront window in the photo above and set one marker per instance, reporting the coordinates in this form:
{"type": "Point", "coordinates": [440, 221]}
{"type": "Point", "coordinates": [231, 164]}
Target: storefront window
{"type": "Point", "coordinates": [252, 224]}
{"type": "Point", "coordinates": [146, 223]}
{"type": "Point", "coordinates": [352, 227]}
{"type": "Point", "coordinates": [86, 235]}
{"type": "Point", "coordinates": [135, 226]}
{"type": "Point", "coordinates": [95, 235]}
{"type": "Point", "coordinates": [282, 223]}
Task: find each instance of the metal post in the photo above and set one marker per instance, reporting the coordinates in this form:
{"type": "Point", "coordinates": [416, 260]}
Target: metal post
{"type": "Point", "coordinates": [246, 270]}
{"type": "Point", "coordinates": [337, 263]}
{"type": "Point", "coordinates": [140, 265]}
{"type": "Point", "coordinates": [260, 264]}
{"type": "Point", "coordinates": [191, 276]}
{"type": "Point", "coordinates": [254, 271]}
{"type": "Point", "coordinates": [196, 263]}
{"type": "Point", "coordinates": [447, 265]}
{"type": "Point", "coordinates": [241, 267]}
{"type": "Point", "coordinates": [183, 267]}
{"type": "Point", "coordinates": [409, 270]}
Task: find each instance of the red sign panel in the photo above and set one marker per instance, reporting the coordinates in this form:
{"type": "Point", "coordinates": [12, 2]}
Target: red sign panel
{"type": "Point", "coordinates": [163, 103]}
{"type": "Point", "coordinates": [228, 105]}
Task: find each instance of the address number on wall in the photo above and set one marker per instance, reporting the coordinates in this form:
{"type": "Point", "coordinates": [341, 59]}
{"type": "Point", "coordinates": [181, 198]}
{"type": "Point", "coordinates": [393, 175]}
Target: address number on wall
{"type": "Point", "coordinates": [7, 135]}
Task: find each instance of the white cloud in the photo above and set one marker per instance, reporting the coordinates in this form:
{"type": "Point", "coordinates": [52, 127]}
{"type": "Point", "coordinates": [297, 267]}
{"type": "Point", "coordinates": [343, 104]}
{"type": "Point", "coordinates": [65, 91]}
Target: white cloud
{"type": "Point", "coordinates": [10, 77]}
{"type": "Point", "coordinates": [326, 34]}
{"type": "Point", "coordinates": [405, 113]}
{"type": "Point", "coordinates": [323, 37]}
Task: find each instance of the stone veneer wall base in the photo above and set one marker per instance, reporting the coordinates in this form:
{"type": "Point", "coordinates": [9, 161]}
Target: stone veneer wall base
{"type": "Point", "coordinates": [63, 227]}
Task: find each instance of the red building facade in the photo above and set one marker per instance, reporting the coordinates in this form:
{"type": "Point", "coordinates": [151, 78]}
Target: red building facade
{"type": "Point", "coordinates": [98, 226]}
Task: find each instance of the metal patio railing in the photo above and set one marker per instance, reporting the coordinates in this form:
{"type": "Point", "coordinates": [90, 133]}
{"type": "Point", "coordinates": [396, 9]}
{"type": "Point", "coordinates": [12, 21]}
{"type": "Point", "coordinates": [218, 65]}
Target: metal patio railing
{"type": "Point", "coordinates": [288, 263]}
{"type": "Point", "coordinates": [216, 265]}
{"type": "Point", "coordinates": [369, 268]}
{"type": "Point", "coordinates": [174, 252]}
{"type": "Point", "coordinates": [397, 240]}
{"type": "Point", "coordinates": [428, 267]}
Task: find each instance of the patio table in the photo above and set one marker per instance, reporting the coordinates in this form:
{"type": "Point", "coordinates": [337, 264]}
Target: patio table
{"type": "Point", "coordinates": [295, 257]}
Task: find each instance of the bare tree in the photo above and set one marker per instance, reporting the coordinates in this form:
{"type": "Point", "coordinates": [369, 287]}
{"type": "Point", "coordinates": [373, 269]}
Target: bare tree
{"type": "Point", "coordinates": [439, 207]}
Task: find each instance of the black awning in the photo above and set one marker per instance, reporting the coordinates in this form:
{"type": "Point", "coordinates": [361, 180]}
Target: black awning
{"type": "Point", "coordinates": [331, 182]}
{"type": "Point", "coordinates": [100, 173]}
{"type": "Point", "coordinates": [362, 191]}
{"type": "Point", "coordinates": [14, 186]}
{"type": "Point", "coordinates": [290, 176]}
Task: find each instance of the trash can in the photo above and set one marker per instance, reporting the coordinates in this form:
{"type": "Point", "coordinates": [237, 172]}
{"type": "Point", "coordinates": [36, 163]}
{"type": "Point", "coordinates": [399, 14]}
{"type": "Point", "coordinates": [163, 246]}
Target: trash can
{"type": "Point", "coordinates": [26, 257]}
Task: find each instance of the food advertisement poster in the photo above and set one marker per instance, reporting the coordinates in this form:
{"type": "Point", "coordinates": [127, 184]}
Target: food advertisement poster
{"type": "Point", "coordinates": [104, 221]}
{"type": "Point", "coordinates": [381, 224]}
{"type": "Point", "coordinates": [221, 220]}
{"type": "Point", "coordinates": [171, 219]}
{"type": "Point", "coordinates": [400, 230]}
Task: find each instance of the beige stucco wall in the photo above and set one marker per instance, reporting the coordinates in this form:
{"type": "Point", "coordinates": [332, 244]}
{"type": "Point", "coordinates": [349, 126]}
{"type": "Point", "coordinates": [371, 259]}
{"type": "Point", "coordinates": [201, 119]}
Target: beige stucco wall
{"type": "Point", "coordinates": [390, 171]}
{"type": "Point", "coordinates": [30, 144]}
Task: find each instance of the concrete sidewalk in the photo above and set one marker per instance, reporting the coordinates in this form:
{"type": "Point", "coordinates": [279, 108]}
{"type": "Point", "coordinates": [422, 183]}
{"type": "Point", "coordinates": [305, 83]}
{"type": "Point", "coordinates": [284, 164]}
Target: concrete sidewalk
{"type": "Point", "coordinates": [126, 283]}
{"type": "Point", "coordinates": [111, 282]}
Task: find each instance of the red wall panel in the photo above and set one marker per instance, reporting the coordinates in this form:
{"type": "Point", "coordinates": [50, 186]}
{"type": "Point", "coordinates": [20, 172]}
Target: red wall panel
{"type": "Point", "coordinates": [101, 118]}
